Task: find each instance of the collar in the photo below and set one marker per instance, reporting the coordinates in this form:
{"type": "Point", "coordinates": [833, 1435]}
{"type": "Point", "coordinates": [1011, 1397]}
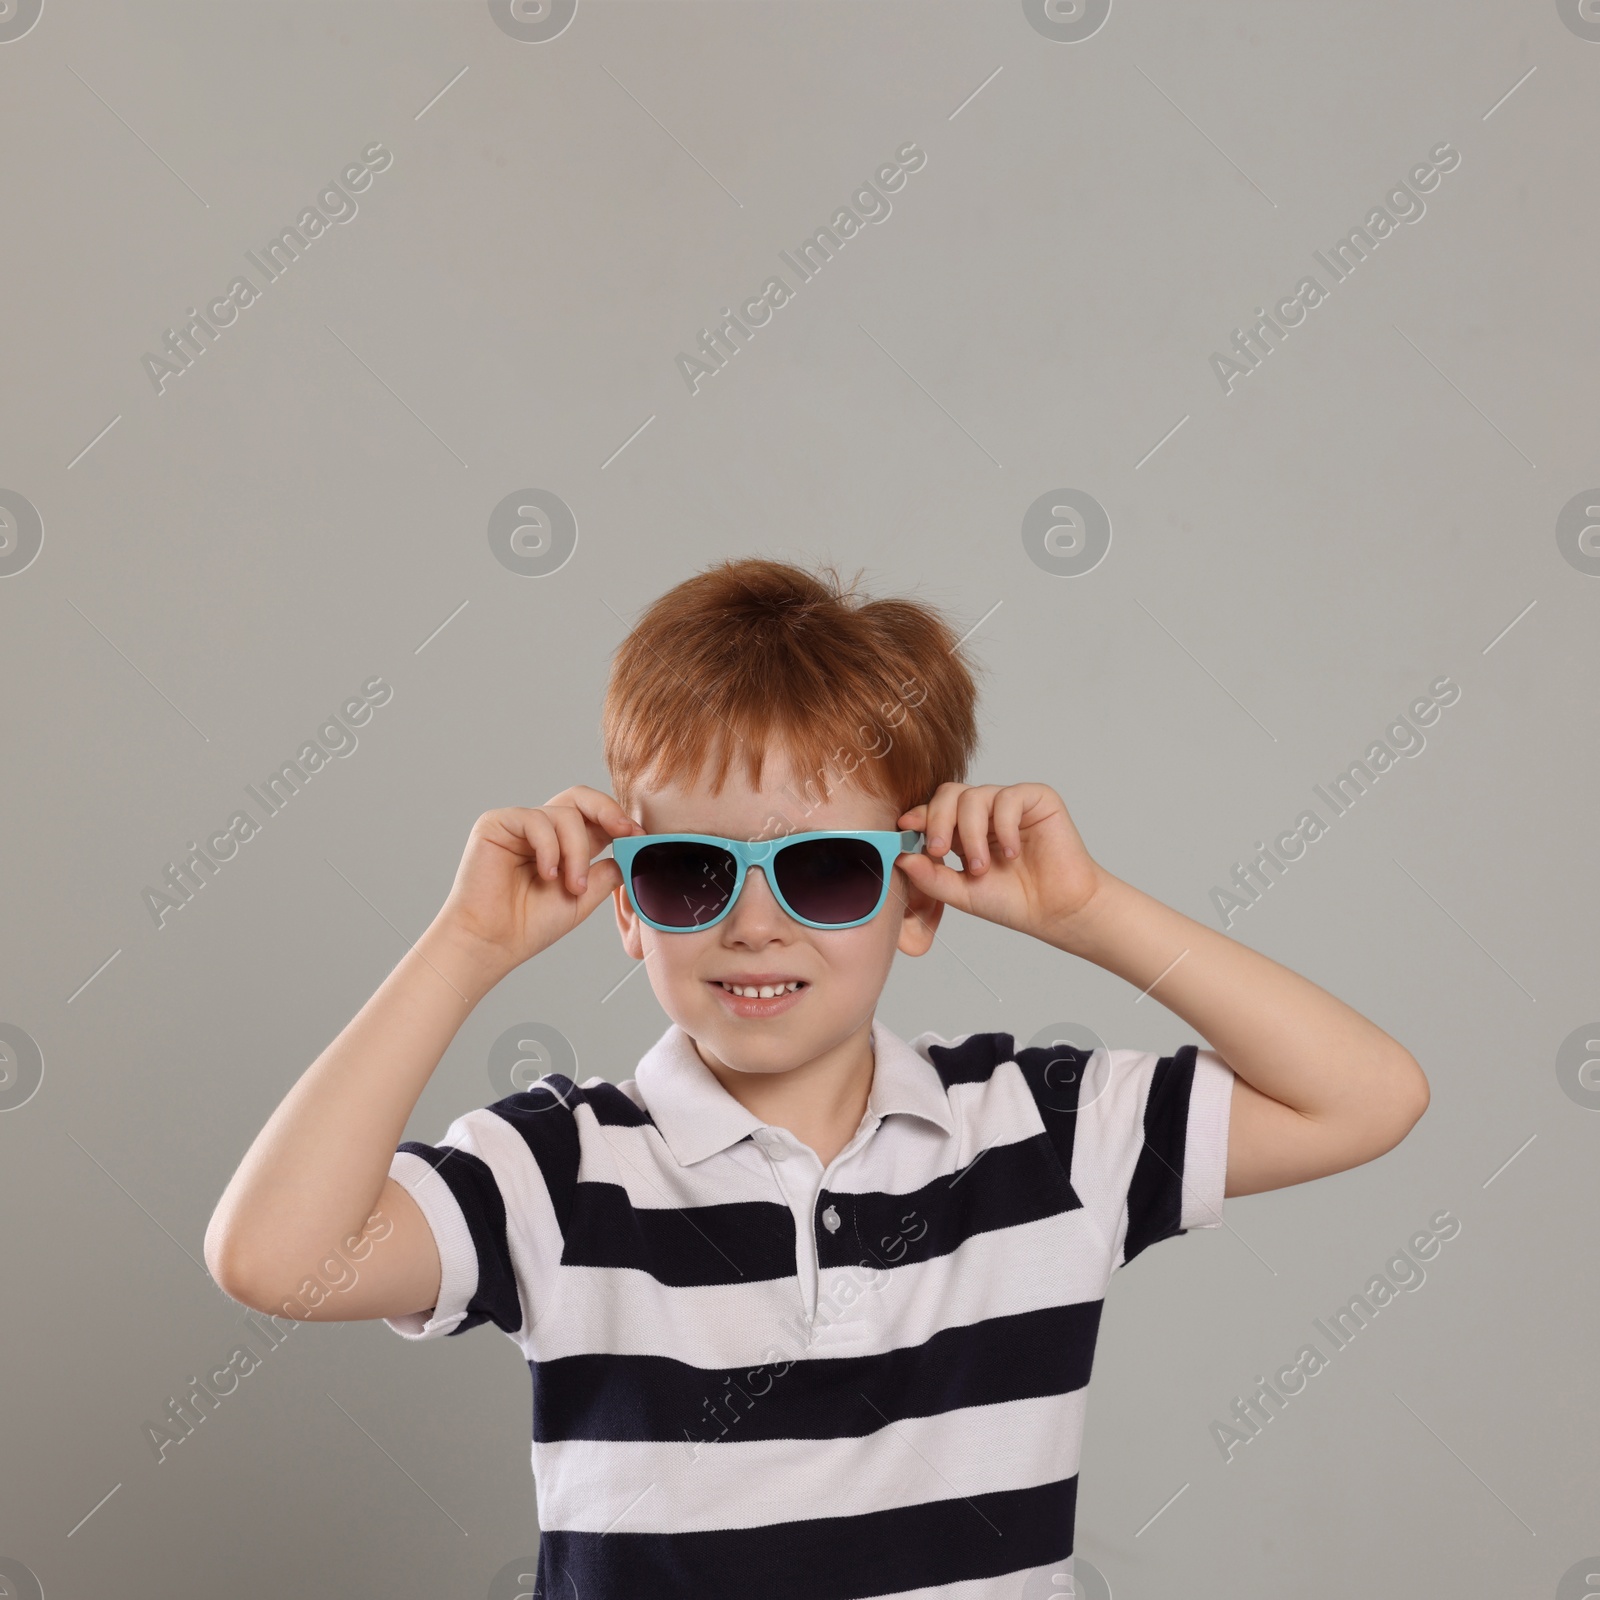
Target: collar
{"type": "Point", "coordinates": [698, 1117]}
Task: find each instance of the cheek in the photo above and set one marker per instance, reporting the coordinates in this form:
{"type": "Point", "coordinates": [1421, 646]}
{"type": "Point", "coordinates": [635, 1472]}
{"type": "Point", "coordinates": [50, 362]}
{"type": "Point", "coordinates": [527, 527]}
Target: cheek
{"type": "Point", "coordinates": [861, 956]}
{"type": "Point", "coordinates": [676, 960]}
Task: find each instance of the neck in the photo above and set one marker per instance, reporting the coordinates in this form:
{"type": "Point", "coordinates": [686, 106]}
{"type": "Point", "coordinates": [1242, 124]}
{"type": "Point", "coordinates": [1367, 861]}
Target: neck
{"type": "Point", "coordinates": [821, 1101]}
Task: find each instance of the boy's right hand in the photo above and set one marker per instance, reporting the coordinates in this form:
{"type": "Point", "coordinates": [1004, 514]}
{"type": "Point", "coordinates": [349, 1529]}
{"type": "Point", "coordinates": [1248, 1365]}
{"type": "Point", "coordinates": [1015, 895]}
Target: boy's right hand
{"type": "Point", "coordinates": [528, 874]}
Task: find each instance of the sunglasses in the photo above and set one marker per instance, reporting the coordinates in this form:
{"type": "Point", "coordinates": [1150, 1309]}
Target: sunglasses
{"type": "Point", "coordinates": [678, 882]}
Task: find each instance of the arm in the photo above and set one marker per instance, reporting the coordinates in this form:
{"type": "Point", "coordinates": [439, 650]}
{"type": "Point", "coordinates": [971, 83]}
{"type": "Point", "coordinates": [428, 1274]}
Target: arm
{"type": "Point", "coordinates": [1319, 1088]}
{"type": "Point", "coordinates": [316, 1176]}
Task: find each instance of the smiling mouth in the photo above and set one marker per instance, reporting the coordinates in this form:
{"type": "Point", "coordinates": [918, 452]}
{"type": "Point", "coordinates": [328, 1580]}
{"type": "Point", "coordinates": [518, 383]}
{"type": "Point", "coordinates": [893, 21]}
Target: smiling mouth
{"type": "Point", "coordinates": [761, 991]}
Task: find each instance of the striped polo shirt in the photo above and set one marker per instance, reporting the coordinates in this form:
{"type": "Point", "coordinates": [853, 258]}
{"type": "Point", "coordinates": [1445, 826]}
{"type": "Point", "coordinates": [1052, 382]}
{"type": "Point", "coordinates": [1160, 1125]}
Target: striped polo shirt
{"type": "Point", "coordinates": [752, 1375]}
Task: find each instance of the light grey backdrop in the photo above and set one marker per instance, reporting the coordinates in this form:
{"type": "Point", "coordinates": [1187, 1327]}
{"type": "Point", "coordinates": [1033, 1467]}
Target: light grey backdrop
{"type": "Point", "coordinates": [1294, 558]}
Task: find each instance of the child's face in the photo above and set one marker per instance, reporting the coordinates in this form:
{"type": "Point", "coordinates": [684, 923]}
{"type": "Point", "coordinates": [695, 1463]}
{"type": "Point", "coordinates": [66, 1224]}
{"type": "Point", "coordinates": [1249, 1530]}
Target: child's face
{"type": "Point", "coordinates": [843, 970]}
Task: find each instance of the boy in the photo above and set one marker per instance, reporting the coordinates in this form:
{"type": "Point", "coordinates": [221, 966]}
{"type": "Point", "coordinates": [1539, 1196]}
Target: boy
{"type": "Point", "coordinates": [809, 1310]}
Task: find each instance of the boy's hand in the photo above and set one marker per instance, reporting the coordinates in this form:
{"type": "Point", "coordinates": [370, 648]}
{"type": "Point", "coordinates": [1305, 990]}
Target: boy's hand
{"type": "Point", "coordinates": [1024, 864]}
{"type": "Point", "coordinates": [528, 874]}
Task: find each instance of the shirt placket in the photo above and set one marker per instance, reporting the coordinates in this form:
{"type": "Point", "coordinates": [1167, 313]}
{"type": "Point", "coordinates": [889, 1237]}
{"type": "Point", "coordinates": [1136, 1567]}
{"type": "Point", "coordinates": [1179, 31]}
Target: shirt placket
{"type": "Point", "coordinates": [801, 1179]}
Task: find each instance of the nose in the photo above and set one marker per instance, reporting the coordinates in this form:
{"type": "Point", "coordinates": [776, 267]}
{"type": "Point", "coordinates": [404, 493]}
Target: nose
{"type": "Point", "coordinates": [756, 911]}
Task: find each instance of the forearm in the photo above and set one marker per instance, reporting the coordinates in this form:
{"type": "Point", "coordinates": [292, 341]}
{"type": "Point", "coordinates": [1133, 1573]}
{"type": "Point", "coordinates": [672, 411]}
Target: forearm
{"type": "Point", "coordinates": [1281, 1033]}
{"type": "Point", "coordinates": [314, 1173]}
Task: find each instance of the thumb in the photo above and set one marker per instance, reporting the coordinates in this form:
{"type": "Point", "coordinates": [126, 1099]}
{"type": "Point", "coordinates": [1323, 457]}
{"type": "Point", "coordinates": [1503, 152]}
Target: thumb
{"type": "Point", "coordinates": [935, 878]}
{"type": "Point", "coordinates": [605, 876]}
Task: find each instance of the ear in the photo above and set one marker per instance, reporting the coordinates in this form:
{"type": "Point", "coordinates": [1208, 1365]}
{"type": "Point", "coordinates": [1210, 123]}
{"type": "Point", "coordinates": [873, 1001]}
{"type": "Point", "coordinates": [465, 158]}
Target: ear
{"type": "Point", "coordinates": [628, 924]}
{"type": "Point", "coordinates": [919, 921]}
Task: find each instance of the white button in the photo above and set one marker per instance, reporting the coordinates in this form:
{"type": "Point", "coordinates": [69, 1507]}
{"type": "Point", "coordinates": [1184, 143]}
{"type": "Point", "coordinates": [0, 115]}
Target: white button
{"type": "Point", "coordinates": [778, 1150]}
{"type": "Point", "coordinates": [830, 1220]}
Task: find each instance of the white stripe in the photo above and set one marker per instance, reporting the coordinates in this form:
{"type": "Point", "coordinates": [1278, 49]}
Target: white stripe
{"type": "Point", "coordinates": [905, 1154]}
{"type": "Point", "coordinates": [638, 1161]}
{"type": "Point", "coordinates": [1057, 1260]}
{"type": "Point", "coordinates": [594, 1486]}
{"type": "Point", "coordinates": [1205, 1156]}
{"type": "Point", "coordinates": [532, 1230]}
{"type": "Point", "coordinates": [533, 1234]}
{"type": "Point", "coordinates": [458, 1259]}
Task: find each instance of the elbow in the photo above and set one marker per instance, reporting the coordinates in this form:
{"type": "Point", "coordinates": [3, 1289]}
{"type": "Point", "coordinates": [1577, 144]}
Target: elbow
{"type": "Point", "coordinates": [1416, 1094]}
{"type": "Point", "coordinates": [234, 1272]}
{"type": "Point", "coordinates": [225, 1264]}
{"type": "Point", "coordinates": [1408, 1099]}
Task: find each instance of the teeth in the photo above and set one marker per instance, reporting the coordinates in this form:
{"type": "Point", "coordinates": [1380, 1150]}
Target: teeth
{"type": "Point", "coordinates": [765, 991]}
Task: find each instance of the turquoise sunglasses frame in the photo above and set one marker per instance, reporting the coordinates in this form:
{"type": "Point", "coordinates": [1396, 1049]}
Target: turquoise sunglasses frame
{"type": "Point", "coordinates": [763, 853]}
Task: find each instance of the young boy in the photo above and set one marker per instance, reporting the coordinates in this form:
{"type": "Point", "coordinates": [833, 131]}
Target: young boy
{"type": "Point", "coordinates": [809, 1310]}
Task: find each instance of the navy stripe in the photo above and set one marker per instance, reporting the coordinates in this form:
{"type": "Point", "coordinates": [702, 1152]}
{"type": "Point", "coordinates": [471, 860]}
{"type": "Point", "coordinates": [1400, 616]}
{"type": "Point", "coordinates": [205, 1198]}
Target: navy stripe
{"type": "Point", "coordinates": [632, 1397]}
{"type": "Point", "coordinates": [974, 1059]}
{"type": "Point", "coordinates": [613, 1109]}
{"type": "Point", "coordinates": [543, 1116]}
{"type": "Point", "coordinates": [1155, 1194]}
{"type": "Point", "coordinates": [820, 1558]}
{"type": "Point", "coordinates": [1054, 1075]}
{"type": "Point", "coordinates": [1003, 1186]}
{"type": "Point", "coordinates": [749, 1241]}
{"type": "Point", "coordinates": [472, 1183]}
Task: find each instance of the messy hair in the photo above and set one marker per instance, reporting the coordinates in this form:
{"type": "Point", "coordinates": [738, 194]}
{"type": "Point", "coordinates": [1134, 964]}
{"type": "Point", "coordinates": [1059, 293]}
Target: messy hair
{"type": "Point", "coordinates": [869, 692]}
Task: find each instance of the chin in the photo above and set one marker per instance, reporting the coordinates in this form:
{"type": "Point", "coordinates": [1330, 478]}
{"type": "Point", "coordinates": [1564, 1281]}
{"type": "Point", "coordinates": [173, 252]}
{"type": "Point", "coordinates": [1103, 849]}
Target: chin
{"type": "Point", "coordinates": [747, 1051]}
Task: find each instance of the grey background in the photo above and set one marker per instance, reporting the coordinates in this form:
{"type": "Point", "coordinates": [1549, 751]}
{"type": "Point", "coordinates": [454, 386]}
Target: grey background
{"type": "Point", "coordinates": [306, 506]}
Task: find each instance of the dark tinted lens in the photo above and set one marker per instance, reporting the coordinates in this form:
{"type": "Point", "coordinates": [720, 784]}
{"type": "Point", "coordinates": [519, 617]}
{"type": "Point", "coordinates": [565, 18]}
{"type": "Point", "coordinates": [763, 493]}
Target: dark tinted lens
{"type": "Point", "coordinates": [682, 884]}
{"type": "Point", "coordinates": [831, 880]}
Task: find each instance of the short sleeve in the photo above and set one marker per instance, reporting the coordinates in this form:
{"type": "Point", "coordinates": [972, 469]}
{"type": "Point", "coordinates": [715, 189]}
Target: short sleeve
{"type": "Point", "coordinates": [1150, 1146]}
{"type": "Point", "coordinates": [495, 1190]}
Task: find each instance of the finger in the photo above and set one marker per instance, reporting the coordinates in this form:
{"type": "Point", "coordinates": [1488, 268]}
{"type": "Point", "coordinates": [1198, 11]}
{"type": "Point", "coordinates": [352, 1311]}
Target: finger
{"type": "Point", "coordinates": [605, 877]}
{"type": "Point", "coordinates": [972, 818]}
{"type": "Point", "coordinates": [941, 823]}
{"type": "Point", "coordinates": [935, 878]}
{"type": "Point", "coordinates": [572, 829]}
{"type": "Point", "coordinates": [606, 819]}
{"type": "Point", "coordinates": [527, 831]}
{"type": "Point", "coordinates": [1009, 805]}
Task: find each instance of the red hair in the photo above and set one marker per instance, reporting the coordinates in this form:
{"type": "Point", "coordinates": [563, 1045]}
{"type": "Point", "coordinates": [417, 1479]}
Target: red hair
{"type": "Point", "coordinates": [869, 692]}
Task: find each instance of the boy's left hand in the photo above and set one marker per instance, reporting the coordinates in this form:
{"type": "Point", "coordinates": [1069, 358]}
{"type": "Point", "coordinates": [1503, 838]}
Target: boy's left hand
{"type": "Point", "coordinates": [1024, 864]}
